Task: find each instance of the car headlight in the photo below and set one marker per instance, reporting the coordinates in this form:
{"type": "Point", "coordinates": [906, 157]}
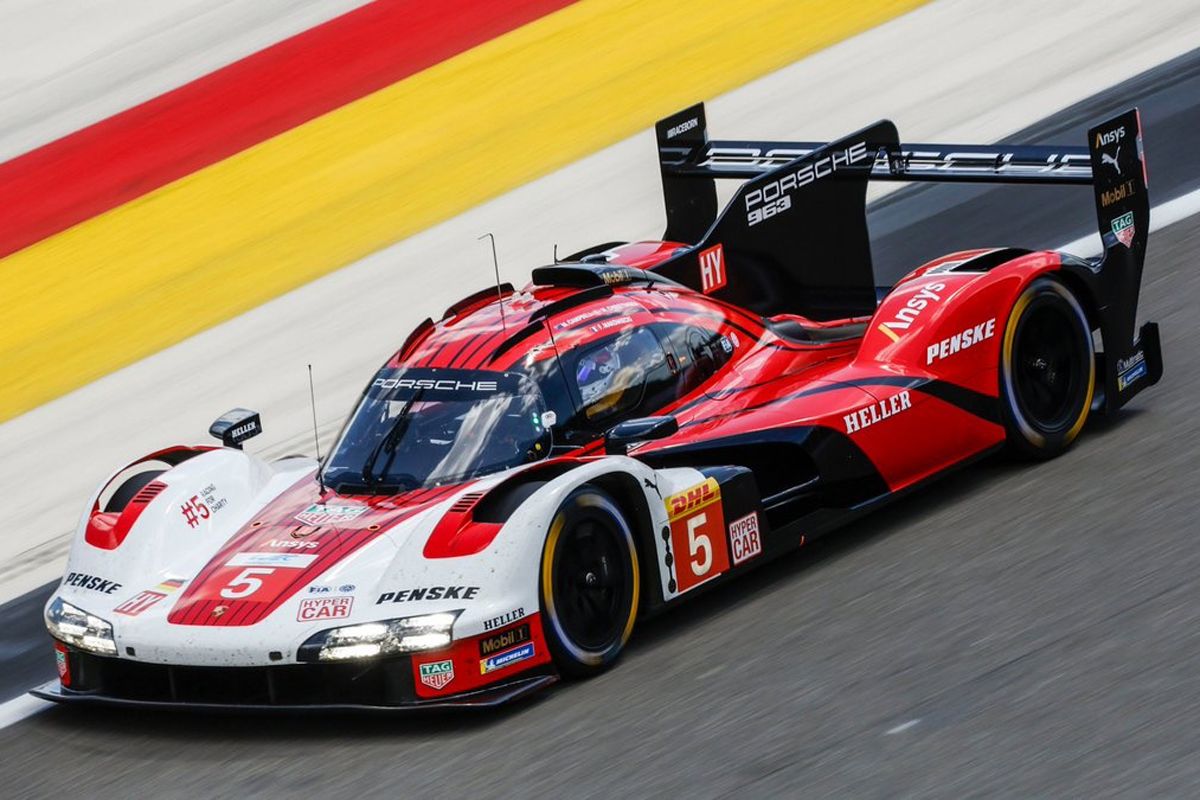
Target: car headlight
{"type": "Point", "coordinates": [387, 637]}
{"type": "Point", "coordinates": [77, 627]}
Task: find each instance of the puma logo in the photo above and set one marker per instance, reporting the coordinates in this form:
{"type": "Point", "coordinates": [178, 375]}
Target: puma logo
{"type": "Point", "coordinates": [1105, 158]}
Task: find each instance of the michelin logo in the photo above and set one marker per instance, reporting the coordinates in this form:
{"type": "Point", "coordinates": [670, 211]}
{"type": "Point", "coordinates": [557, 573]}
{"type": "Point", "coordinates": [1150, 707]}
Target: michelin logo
{"type": "Point", "coordinates": [506, 659]}
{"type": "Point", "coordinates": [1130, 369]}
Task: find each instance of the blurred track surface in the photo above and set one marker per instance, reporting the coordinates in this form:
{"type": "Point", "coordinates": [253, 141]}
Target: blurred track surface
{"type": "Point", "coordinates": [1020, 630]}
{"type": "Point", "coordinates": [67, 64]}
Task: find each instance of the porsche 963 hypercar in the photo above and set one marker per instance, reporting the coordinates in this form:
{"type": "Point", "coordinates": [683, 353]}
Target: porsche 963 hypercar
{"type": "Point", "coordinates": [531, 474]}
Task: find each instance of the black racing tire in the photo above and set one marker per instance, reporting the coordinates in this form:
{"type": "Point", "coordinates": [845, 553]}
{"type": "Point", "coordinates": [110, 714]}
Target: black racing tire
{"type": "Point", "coordinates": [1047, 370]}
{"type": "Point", "coordinates": [589, 583]}
{"type": "Point", "coordinates": [129, 488]}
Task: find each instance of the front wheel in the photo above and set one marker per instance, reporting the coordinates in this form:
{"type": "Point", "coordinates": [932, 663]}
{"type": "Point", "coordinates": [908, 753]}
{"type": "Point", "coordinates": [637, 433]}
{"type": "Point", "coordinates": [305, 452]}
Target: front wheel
{"type": "Point", "coordinates": [589, 583]}
{"type": "Point", "coordinates": [1047, 370]}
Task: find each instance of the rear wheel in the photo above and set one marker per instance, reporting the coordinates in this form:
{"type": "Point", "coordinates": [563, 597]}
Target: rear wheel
{"type": "Point", "coordinates": [589, 583]}
{"type": "Point", "coordinates": [1047, 370]}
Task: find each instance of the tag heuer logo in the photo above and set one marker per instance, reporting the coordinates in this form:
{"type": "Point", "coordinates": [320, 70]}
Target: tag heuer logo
{"type": "Point", "coordinates": [1122, 228]}
{"type": "Point", "coordinates": [437, 674]}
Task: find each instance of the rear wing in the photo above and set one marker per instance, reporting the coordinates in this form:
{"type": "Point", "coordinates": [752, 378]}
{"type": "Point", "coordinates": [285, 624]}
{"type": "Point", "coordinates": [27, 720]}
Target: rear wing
{"type": "Point", "coordinates": [794, 236]}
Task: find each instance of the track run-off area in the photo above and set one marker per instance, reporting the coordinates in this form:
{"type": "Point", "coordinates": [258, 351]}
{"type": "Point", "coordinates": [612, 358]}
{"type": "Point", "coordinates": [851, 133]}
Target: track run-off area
{"type": "Point", "coordinates": [1019, 630]}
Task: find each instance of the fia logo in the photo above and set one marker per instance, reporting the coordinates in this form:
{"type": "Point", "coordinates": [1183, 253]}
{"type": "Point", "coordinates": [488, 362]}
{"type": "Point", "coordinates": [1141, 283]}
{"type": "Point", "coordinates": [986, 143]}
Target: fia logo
{"type": "Point", "coordinates": [712, 269]}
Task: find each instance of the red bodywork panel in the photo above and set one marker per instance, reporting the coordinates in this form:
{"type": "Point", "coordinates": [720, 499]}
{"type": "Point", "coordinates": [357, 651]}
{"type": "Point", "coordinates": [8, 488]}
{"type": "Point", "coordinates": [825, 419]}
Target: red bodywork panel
{"type": "Point", "coordinates": [893, 383]}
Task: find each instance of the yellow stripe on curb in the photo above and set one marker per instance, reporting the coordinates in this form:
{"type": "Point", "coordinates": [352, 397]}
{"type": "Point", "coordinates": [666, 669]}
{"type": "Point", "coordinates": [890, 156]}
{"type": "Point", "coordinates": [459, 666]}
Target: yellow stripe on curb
{"type": "Point", "coordinates": [236, 234]}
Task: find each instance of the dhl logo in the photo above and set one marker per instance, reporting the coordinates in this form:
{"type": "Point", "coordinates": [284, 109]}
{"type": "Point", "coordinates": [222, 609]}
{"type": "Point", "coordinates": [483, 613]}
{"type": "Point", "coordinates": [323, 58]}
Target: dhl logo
{"type": "Point", "coordinates": [693, 498]}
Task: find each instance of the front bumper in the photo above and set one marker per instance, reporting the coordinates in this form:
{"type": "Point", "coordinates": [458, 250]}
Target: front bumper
{"type": "Point", "coordinates": [382, 685]}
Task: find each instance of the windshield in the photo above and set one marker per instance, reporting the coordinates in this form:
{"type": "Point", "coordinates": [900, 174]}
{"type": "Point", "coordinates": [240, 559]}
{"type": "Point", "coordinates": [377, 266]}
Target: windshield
{"type": "Point", "coordinates": [416, 428]}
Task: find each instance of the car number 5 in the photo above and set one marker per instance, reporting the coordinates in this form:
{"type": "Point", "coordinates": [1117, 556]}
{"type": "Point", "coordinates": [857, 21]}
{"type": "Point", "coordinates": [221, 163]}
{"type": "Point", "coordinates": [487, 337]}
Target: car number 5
{"type": "Point", "coordinates": [247, 581]}
{"type": "Point", "coordinates": [698, 542]}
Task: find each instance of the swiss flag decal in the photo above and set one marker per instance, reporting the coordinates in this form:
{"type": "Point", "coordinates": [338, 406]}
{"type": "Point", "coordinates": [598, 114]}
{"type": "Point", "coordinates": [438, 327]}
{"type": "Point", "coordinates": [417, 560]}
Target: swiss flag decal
{"type": "Point", "coordinates": [712, 269]}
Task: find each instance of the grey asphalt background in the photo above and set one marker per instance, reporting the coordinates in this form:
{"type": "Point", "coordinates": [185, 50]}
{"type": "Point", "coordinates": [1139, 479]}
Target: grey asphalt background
{"type": "Point", "coordinates": [1017, 631]}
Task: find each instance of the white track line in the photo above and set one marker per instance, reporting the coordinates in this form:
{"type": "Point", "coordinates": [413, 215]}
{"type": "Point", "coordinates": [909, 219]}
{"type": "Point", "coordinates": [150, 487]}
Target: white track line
{"type": "Point", "coordinates": [1161, 216]}
{"type": "Point", "coordinates": [67, 64]}
{"type": "Point", "coordinates": [20, 708]}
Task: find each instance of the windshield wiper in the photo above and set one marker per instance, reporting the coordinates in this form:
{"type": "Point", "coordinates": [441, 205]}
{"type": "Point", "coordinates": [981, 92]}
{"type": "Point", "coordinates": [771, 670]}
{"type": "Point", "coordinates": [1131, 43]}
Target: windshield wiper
{"type": "Point", "coordinates": [389, 441]}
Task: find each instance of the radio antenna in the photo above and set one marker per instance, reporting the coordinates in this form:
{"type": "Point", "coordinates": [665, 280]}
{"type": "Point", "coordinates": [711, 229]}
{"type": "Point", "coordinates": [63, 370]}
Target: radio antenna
{"type": "Point", "coordinates": [556, 252]}
{"type": "Point", "coordinates": [312, 398]}
{"type": "Point", "coordinates": [558, 361]}
{"type": "Point", "coordinates": [499, 291]}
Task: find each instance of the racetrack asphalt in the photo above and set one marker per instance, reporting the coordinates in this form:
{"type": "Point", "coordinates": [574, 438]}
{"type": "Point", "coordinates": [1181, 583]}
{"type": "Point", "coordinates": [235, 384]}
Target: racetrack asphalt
{"type": "Point", "coordinates": [1017, 630]}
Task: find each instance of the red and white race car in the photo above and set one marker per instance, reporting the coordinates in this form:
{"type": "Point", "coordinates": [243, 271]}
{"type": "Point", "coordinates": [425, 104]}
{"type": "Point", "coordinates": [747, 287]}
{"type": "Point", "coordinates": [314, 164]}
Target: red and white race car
{"type": "Point", "coordinates": [528, 476]}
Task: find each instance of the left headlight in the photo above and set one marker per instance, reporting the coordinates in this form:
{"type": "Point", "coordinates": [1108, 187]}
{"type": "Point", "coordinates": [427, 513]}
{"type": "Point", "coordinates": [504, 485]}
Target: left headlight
{"type": "Point", "coordinates": [79, 628]}
{"type": "Point", "coordinates": [386, 637]}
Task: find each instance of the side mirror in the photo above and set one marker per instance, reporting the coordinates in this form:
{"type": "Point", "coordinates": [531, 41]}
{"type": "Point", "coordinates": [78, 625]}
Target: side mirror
{"type": "Point", "coordinates": [617, 440]}
{"type": "Point", "coordinates": [236, 426]}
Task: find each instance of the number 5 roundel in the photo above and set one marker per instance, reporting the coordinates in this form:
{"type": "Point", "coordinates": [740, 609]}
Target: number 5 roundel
{"type": "Point", "coordinates": [698, 534]}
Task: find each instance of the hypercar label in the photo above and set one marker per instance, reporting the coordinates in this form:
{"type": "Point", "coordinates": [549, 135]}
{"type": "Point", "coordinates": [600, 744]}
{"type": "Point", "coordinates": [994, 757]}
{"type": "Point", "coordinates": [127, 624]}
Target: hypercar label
{"type": "Point", "coordinates": [697, 535]}
{"type": "Point", "coordinates": [319, 608]}
{"type": "Point", "coordinates": [503, 641]}
{"type": "Point", "coordinates": [429, 593]}
{"type": "Point", "coordinates": [908, 313]}
{"type": "Point", "coordinates": [506, 659]}
{"type": "Point", "coordinates": [1122, 228]}
{"type": "Point", "coordinates": [744, 540]}
{"type": "Point", "coordinates": [712, 268]}
{"type": "Point", "coordinates": [140, 602]}
{"type": "Point", "coordinates": [322, 514]}
{"type": "Point", "coordinates": [503, 619]}
{"type": "Point", "coordinates": [436, 674]}
{"type": "Point", "coordinates": [877, 412]}
{"type": "Point", "coordinates": [93, 583]}
{"type": "Point", "coordinates": [960, 341]}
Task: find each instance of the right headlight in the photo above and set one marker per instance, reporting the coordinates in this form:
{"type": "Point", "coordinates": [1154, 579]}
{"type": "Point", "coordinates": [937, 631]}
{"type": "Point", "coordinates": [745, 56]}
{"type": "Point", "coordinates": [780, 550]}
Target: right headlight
{"type": "Point", "coordinates": [77, 627]}
{"type": "Point", "coordinates": [387, 637]}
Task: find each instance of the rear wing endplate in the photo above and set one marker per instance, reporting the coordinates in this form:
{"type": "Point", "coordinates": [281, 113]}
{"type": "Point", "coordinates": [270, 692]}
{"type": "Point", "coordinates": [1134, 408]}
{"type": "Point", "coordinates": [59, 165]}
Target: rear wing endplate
{"type": "Point", "coordinates": [794, 236]}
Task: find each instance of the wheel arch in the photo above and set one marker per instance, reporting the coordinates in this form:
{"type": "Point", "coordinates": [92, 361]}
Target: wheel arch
{"type": "Point", "coordinates": [627, 493]}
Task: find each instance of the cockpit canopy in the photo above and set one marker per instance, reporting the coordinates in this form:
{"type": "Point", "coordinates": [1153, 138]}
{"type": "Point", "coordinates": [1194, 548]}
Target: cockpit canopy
{"type": "Point", "coordinates": [421, 427]}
